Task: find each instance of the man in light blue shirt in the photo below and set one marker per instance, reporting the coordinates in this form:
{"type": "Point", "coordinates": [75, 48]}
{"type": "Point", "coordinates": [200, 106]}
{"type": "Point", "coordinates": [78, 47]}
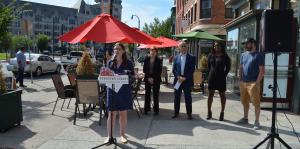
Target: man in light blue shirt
{"type": "Point", "coordinates": [183, 60]}
{"type": "Point", "coordinates": [21, 60]}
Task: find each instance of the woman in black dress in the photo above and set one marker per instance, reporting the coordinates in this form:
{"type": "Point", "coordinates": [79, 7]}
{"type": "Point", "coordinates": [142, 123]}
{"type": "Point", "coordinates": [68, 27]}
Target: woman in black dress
{"type": "Point", "coordinates": [218, 68]}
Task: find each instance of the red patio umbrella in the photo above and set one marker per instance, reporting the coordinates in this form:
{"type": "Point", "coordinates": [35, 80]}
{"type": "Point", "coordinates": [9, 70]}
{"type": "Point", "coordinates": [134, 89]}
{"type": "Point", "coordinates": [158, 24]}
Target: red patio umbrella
{"type": "Point", "coordinates": [105, 28]}
{"type": "Point", "coordinates": [147, 35]}
{"type": "Point", "coordinates": [166, 42]}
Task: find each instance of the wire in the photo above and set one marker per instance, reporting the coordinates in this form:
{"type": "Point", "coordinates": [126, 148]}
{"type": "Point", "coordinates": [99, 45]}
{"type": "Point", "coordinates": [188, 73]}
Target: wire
{"type": "Point", "coordinates": [294, 131]}
{"type": "Point", "coordinates": [293, 128]}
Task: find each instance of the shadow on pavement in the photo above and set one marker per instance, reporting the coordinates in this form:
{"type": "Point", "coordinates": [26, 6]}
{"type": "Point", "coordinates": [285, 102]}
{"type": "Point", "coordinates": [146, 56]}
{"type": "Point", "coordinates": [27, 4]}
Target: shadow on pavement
{"type": "Point", "coordinates": [14, 137]}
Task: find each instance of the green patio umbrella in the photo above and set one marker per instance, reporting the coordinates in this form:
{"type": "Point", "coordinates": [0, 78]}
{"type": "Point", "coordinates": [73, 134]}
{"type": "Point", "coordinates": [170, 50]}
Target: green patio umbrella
{"type": "Point", "coordinates": [198, 34]}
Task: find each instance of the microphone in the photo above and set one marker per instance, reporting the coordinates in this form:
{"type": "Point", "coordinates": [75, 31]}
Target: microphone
{"type": "Point", "coordinates": [127, 72]}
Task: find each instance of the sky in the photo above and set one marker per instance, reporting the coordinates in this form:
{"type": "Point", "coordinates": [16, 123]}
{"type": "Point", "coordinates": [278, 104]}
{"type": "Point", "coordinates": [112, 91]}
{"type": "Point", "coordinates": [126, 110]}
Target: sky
{"type": "Point", "coordinates": [147, 10]}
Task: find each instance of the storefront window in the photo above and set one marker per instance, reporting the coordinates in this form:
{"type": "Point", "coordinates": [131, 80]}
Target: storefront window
{"type": "Point", "coordinates": [282, 75]}
{"type": "Point", "coordinates": [247, 30]}
{"type": "Point", "coordinates": [262, 4]}
{"type": "Point", "coordinates": [232, 51]}
{"type": "Point", "coordinates": [232, 48]}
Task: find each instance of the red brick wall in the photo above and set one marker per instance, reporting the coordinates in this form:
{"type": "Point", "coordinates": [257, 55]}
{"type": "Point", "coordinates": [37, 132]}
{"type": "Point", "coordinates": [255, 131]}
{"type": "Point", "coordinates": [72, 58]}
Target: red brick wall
{"type": "Point", "coordinates": [217, 13]}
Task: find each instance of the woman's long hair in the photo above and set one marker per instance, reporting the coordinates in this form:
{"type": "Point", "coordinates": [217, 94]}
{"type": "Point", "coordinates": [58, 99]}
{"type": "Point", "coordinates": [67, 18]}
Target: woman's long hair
{"type": "Point", "coordinates": [222, 46]}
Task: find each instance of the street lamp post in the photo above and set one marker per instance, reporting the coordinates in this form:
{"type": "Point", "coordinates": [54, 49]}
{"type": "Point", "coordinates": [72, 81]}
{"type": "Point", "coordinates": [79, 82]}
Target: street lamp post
{"type": "Point", "coordinates": [139, 22]}
{"type": "Point", "coordinates": [53, 37]}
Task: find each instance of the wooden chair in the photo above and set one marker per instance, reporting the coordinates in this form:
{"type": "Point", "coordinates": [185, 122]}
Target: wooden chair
{"type": "Point", "coordinates": [88, 92]}
{"type": "Point", "coordinates": [72, 80]}
{"type": "Point", "coordinates": [198, 79]}
{"type": "Point", "coordinates": [136, 103]}
{"type": "Point", "coordinates": [63, 92]}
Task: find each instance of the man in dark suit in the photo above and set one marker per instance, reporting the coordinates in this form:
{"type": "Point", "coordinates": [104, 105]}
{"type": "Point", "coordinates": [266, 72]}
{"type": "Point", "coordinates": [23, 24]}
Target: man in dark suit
{"type": "Point", "coordinates": [183, 70]}
{"type": "Point", "coordinates": [152, 69]}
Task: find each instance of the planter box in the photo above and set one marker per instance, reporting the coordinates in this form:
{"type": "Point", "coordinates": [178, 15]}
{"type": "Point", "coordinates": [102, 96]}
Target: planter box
{"type": "Point", "coordinates": [10, 109]}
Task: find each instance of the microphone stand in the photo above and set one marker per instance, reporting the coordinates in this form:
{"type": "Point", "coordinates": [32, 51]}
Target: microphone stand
{"type": "Point", "coordinates": [111, 140]}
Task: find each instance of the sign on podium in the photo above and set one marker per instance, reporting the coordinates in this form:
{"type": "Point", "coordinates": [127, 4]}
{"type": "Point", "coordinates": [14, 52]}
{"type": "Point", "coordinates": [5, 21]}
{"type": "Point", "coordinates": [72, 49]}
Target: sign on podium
{"type": "Point", "coordinates": [114, 82]}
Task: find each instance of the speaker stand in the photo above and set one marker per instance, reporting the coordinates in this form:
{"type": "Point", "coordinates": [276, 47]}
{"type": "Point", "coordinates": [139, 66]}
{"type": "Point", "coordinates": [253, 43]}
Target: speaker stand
{"type": "Point", "coordinates": [273, 134]}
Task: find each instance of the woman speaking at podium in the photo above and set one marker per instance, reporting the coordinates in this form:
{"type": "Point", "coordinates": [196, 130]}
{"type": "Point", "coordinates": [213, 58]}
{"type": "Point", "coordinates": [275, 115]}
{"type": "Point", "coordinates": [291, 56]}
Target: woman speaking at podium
{"type": "Point", "coordinates": [121, 101]}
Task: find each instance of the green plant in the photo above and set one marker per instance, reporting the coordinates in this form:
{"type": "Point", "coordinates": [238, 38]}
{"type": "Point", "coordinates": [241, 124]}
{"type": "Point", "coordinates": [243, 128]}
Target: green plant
{"type": "Point", "coordinates": [2, 82]}
{"type": "Point", "coordinates": [82, 47]}
{"type": "Point", "coordinates": [21, 41]}
{"type": "Point", "coordinates": [85, 65]}
{"type": "Point", "coordinates": [42, 42]}
{"type": "Point", "coordinates": [203, 63]}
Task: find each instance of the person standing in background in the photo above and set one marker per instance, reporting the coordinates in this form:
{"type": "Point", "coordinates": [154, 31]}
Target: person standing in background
{"type": "Point", "coordinates": [251, 73]}
{"type": "Point", "coordinates": [218, 68]}
{"type": "Point", "coordinates": [183, 70]}
{"type": "Point", "coordinates": [21, 59]}
{"type": "Point", "coordinates": [152, 69]}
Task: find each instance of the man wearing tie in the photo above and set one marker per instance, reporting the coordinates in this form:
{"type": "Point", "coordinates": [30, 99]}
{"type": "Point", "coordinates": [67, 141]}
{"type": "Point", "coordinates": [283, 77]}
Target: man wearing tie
{"type": "Point", "coordinates": [183, 70]}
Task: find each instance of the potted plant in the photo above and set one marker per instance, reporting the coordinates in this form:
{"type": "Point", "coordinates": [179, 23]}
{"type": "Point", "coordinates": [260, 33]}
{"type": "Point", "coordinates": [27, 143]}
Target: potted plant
{"type": "Point", "coordinates": [85, 67]}
{"type": "Point", "coordinates": [10, 105]}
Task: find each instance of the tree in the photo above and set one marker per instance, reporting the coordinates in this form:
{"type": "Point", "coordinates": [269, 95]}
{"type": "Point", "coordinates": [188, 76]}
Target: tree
{"type": "Point", "coordinates": [9, 10]}
{"type": "Point", "coordinates": [159, 28]}
{"type": "Point", "coordinates": [6, 42]}
{"type": "Point", "coordinates": [42, 42]}
{"type": "Point", "coordinates": [21, 41]}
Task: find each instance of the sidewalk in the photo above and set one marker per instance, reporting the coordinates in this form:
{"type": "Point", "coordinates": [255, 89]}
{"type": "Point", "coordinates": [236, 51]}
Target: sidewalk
{"type": "Point", "coordinates": [42, 130]}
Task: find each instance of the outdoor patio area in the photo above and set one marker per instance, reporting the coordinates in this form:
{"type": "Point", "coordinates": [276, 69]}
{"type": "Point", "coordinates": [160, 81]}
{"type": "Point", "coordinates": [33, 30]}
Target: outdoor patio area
{"type": "Point", "coordinates": [42, 130]}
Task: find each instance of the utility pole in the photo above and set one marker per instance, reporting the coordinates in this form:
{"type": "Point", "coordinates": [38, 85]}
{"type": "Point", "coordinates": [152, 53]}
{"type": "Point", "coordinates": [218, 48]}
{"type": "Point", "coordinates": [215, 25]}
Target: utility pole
{"type": "Point", "coordinates": [53, 37]}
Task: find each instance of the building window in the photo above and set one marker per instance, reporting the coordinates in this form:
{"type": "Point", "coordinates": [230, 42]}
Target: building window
{"type": "Point", "coordinates": [228, 13]}
{"type": "Point", "coordinates": [205, 9]}
{"type": "Point", "coordinates": [262, 4]}
{"type": "Point", "coordinates": [192, 14]}
{"type": "Point", "coordinates": [195, 12]}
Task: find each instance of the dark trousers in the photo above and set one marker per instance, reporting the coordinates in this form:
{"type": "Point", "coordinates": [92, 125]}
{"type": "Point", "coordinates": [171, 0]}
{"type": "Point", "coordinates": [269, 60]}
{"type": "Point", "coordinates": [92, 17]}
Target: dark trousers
{"type": "Point", "coordinates": [155, 87]}
{"type": "Point", "coordinates": [20, 76]}
{"type": "Point", "coordinates": [187, 97]}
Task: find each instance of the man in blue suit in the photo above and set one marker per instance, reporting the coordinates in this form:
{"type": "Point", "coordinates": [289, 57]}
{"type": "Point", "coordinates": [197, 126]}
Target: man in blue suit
{"type": "Point", "coordinates": [183, 70]}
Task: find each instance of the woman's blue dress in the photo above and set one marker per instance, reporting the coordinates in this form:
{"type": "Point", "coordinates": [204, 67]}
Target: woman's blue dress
{"type": "Point", "coordinates": [122, 100]}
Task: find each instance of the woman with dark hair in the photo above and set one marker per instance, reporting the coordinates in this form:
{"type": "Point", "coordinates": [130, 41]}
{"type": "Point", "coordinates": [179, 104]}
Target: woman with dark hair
{"type": "Point", "coordinates": [152, 69]}
{"type": "Point", "coordinates": [218, 68]}
{"type": "Point", "coordinates": [121, 101]}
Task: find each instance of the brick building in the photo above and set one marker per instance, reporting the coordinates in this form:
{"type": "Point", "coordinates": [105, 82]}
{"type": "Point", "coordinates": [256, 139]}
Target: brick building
{"type": "Point", "coordinates": [115, 8]}
{"type": "Point", "coordinates": [207, 15]}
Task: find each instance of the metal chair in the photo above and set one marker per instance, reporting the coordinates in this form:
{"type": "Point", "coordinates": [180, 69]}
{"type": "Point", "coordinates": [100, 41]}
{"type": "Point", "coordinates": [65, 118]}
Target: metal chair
{"type": "Point", "coordinates": [88, 92]}
{"type": "Point", "coordinates": [63, 92]}
{"type": "Point", "coordinates": [136, 103]}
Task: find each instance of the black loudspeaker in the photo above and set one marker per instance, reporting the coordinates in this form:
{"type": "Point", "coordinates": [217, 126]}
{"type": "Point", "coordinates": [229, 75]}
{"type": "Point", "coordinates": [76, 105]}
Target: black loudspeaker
{"type": "Point", "coordinates": [276, 31]}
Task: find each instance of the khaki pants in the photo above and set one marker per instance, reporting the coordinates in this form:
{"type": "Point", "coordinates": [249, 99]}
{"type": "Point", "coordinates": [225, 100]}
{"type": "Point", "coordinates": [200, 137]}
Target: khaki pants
{"type": "Point", "coordinates": [250, 92]}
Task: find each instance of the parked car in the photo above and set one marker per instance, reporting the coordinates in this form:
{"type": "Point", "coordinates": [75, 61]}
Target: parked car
{"type": "Point", "coordinates": [73, 58]}
{"type": "Point", "coordinates": [39, 64]}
